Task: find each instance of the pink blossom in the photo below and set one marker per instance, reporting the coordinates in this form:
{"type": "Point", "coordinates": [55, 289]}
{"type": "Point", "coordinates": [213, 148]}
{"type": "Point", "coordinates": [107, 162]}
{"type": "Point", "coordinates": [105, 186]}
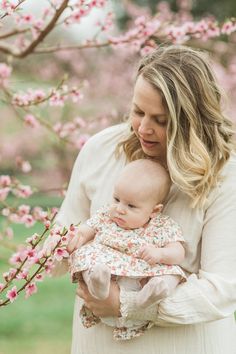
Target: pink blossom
{"type": "Point", "coordinates": [4, 193]}
{"type": "Point", "coordinates": [23, 209]}
{"type": "Point", "coordinates": [38, 95]}
{"type": "Point", "coordinates": [12, 294]}
{"type": "Point", "coordinates": [97, 3]}
{"type": "Point", "coordinates": [32, 239]}
{"type": "Point", "coordinates": [25, 19]}
{"type": "Point", "coordinates": [60, 253]}
{"type": "Point", "coordinates": [10, 274]}
{"type": "Point", "coordinates": [28, 220]}
{"type": "Point", "coordinates": [82, 140]}
{"type": "Point", "coordinates": [76, 95]}
{"type": "Point", "coordinates": [38, 24]}
{"type": "Point", "coordinates": [228, 27]}
{"type": "Point", "coordinates": [64, 240]}
{"type": "Point", "coordinates": [57, 99]}
{"type": "Point", "coordinates": [5, 72]}
{"type": "Point", "coordinates": [9, 233]}
{"type": "Point", "coordinates": [23, 191]}
{"type": "Point", "coordinates": [23, 165]}
{"type": "Point", "coordinates": [50, 243]}
{"type": "Point", "coordinates": [39, 277]}
{"type": "Point", "coordinates": [146, 50]}
{"type": "Point", "coordinates": [20, 99]}
{"type": "Point", "coordinates": [23, 274]}
{"type": "Point", "coordinates": [5, 181]}
{"type": "Point", "coordinates": [30, 252]}
{"type": "Point", "coordinates": [39, 214]}
{"type": "Point", "coordinates": [9, 6]}
{"type": "Point", "coordinates": [48, 268]}
{"type": "Point", "coordinates": [30, 289]}
{"type": "Point", "coordinates": [80, 122]}
{"type": "Point", "coordinates": [14, 218]}
{"type": "Point", "coordinates": [47, 224]}
{"type": "Point", "coordinates": [15, 258]}
{"type": "Point", "coordinates": [31, 121]}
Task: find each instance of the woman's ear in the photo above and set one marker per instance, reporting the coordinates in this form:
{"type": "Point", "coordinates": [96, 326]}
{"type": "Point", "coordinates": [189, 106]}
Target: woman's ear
{"type": "Point", "coordinates": [157, 209]}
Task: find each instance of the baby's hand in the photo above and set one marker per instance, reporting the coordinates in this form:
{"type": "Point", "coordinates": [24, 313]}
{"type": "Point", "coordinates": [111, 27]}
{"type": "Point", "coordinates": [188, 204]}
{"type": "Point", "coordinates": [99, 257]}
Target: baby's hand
{"type": "Point", "coordinates": [151, 254]}
{"type": "Point", "coordinates": [76, 242]}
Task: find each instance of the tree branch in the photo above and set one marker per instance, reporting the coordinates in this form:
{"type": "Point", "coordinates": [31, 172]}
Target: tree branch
{"type": "Point", "coordinates": [46, 31]}
{"type": "Point", "coordinates": [7, 49]}
{"type": "Point", "coordinates": [13, 33]}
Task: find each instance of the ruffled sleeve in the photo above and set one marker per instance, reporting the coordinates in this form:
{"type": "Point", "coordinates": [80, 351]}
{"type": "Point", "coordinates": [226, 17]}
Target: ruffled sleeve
{"type": "Point", "coordinates": [166, 230]}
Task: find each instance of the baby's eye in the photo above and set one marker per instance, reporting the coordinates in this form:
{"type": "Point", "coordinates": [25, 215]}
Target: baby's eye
{"type": "Point", "coordinates": [131, 206]}
{"type": "Point", "coordinates": [116, 199]}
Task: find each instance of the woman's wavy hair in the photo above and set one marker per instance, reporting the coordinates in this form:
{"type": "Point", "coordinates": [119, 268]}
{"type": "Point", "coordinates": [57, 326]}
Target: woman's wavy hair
{"type": "Point", "coordinates": [199, 136]}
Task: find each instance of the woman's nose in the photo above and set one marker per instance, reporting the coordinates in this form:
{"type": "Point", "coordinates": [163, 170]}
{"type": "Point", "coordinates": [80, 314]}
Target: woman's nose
{"type": "Point", "coordinates": [145, 127]}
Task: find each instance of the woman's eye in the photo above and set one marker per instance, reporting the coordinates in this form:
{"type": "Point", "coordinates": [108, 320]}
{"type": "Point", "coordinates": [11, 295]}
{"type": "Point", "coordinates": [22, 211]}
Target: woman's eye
{"type": "Point", "coordinates": [161, 122]}
{"type": "Point", "coordinates": [139, 113]}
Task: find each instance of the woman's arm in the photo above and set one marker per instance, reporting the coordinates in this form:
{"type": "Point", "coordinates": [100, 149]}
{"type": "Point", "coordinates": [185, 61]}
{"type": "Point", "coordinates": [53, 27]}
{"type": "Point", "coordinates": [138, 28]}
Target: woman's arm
{"type": "Point", "coordinates": [76, 205]}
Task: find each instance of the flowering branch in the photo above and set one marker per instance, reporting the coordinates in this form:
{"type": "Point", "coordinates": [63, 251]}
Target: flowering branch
{"type": "Point", "coordinates": [29, 257]}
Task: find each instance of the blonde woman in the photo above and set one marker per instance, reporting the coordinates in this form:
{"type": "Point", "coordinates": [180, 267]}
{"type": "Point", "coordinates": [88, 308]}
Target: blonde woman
{"type": "Point", "coordinates": [175, 119]}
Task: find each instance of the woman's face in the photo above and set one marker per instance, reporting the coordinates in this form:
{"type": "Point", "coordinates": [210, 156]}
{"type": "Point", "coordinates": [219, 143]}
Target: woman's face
{"type": "Point", "coordinates": [149, 119]}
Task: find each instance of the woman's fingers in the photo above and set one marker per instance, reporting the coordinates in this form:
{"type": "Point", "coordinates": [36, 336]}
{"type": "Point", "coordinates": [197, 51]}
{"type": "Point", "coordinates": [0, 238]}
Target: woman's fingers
{"type": "Point", "coordinates": [101, 308]}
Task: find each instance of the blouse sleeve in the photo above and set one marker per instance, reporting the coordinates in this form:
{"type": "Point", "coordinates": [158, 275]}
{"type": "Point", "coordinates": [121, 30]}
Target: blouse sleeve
{"type": "Point", "coordinates": [211, 294]}
{"type": "Point", "coordinates": [76, 205]}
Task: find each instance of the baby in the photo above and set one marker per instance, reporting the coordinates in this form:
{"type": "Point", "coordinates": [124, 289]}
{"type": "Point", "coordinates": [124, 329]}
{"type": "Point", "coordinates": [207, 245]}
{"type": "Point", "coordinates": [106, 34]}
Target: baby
{"type": "Point", "coordinates": [132, 241]}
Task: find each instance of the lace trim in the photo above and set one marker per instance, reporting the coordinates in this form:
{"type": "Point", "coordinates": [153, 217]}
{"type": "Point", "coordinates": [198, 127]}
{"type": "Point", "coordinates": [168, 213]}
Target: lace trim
{"type": "Point", "coordinates": [129, 309]}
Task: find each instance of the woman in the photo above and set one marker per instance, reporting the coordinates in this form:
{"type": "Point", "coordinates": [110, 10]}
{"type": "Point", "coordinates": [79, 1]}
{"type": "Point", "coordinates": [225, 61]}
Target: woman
{"type": "Point", "coordinates": [175, 119]}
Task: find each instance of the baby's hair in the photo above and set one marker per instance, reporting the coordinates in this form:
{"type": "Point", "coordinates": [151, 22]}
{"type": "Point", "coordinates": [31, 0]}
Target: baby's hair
{"type": "Point", "coordinates": [150, 176]}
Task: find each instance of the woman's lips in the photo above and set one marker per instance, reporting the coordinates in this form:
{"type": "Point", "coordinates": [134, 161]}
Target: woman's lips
{"type": "Point", "coordinates": [148, 144]}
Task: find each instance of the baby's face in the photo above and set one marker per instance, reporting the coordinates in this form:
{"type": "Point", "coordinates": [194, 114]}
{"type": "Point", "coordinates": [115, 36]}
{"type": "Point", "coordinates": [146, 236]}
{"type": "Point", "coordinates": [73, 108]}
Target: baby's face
{"type": "Point", "coordinates": [131, 208]}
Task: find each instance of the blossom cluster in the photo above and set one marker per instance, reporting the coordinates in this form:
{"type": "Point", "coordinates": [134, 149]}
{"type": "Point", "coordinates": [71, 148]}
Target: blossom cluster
{"type": "Point", "coordinates": [55, 96]}
{"type": "Point", "coordinates": [8, 184]}
{"type": "Point", "coordinates": [203, 29]}
{"type": "Point", "coordinates": [32, 262]}
{"type": "Point", "coordinates": [23, 214]}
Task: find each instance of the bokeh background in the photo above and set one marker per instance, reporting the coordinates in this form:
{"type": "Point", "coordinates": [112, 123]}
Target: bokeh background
{"type": "Point", "coordinates": [43, 322]}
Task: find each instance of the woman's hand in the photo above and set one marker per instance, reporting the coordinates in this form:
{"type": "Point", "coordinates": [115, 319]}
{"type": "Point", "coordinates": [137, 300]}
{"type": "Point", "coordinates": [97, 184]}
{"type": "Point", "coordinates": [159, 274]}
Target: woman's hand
{"type": "Point", "coordinates": [101, 308]}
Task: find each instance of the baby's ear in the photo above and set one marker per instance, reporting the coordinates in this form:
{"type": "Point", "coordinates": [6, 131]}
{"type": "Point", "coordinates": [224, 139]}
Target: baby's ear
{"type": "Point", "coordinates": [157, 209]}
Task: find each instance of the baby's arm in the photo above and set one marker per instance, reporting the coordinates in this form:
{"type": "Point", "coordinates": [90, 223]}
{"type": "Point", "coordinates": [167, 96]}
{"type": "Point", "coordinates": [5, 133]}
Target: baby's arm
{"type": "Point", "coordinates": [84, 235]}
{"type": "Point", "coordinates": [172, 253]}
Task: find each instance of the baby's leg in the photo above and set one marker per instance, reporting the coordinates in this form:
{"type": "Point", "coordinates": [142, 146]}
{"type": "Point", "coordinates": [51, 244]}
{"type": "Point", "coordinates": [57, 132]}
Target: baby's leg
{"type": "Point", "coordinates": [98, 281]}
{"type": "Point", "coordinates": [156, 289]}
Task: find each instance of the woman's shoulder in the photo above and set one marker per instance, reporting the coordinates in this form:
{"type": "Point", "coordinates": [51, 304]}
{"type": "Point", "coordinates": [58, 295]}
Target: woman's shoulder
{"type": "Point", "coordinates": [106, 138]}
{"type": "Point", "coordinates": [229, 170]}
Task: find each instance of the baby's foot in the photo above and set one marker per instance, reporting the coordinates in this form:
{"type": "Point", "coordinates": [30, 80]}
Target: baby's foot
{"type": "Point", "coordinates": [99, 281]}
{"type": "Point", "coordinates": [155, 289]}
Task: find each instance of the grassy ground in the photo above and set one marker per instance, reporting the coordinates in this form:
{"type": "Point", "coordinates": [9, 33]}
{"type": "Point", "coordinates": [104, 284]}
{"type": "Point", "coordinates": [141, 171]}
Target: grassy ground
{"type": "Point", "coordinates": [42, 323]}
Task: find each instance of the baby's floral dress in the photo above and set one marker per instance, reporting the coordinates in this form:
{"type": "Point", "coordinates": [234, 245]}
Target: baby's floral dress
{"type": "Point", "coordinates": [118, 249]}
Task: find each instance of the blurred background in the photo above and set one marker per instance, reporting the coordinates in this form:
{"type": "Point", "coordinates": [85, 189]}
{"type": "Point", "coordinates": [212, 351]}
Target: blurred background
{"type": "Point", "coordinates": [43, 322]}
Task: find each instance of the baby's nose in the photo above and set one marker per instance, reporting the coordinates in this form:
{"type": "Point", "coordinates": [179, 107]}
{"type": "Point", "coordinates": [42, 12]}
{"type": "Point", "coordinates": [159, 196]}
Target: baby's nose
{"type": "Point", "coordinates": [120, 209]}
